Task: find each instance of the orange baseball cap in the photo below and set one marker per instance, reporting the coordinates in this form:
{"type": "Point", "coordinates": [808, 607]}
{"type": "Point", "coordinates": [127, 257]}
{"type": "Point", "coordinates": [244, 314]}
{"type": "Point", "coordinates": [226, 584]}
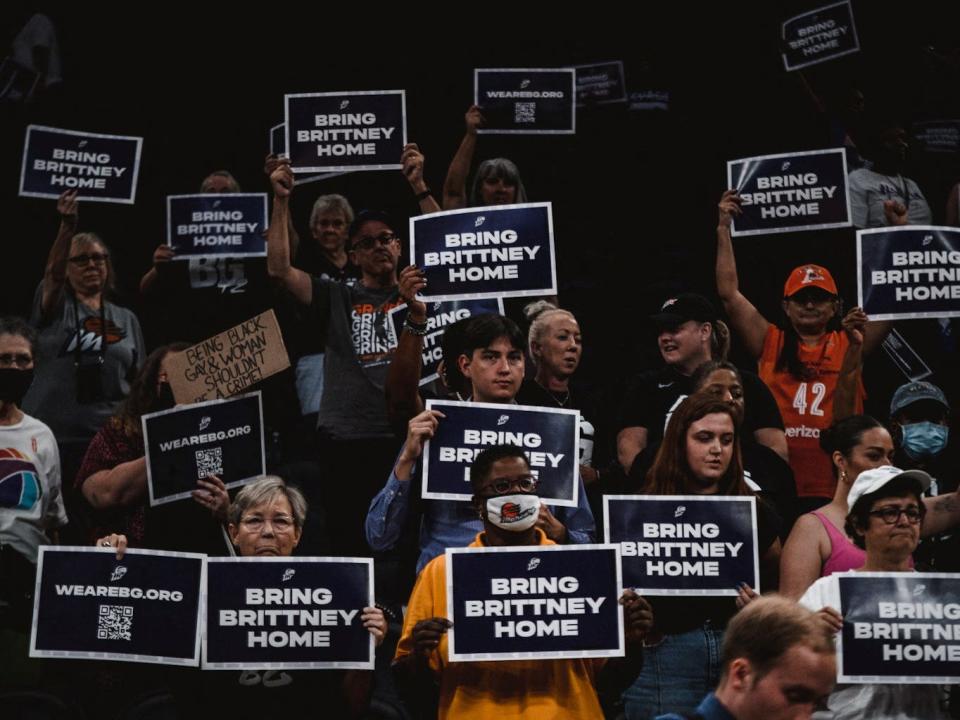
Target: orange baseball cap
{"type": "Point", "coordinates": [809, 276]}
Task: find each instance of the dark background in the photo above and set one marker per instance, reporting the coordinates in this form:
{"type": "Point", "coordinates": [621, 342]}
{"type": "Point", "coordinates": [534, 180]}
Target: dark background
{"type": "Point", "coordinates": [634, 192]}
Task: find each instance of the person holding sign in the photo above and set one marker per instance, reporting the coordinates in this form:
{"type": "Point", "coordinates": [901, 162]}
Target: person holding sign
{"type": "Point", "coordinates": [700, 455]}
{"type": "Point", "coordinates": [356, 438]}
{"type": "Point", "coordinates": [500, 478]}
{"type": "Point", "coordinates": [886, 511]}
{"type": "Point", "coordinates": [112, 479]}
{"type": "Point", "coordinates": [88, 349]}
{"type": "Point", "coordinates": [801, 363]}
{"type": "Point", "coordinates": [778, 661]}
{"type": "Point", "coordinates": [497, 181]}
{"type": "Point", "coordinates": [492, 361]}
{"type": "Point", "coordinates": [31, 498]}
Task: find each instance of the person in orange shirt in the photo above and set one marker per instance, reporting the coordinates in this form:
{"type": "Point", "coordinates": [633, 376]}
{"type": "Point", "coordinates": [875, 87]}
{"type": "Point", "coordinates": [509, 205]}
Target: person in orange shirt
{"type": "Point", "coordinates": [500, 479]}
{"type": "Point", "coordinates": [802, 362]}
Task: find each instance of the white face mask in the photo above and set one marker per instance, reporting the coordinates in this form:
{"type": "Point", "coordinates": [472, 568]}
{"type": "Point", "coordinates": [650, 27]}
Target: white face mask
{"type": "Point", "coordinates": [514, 512]}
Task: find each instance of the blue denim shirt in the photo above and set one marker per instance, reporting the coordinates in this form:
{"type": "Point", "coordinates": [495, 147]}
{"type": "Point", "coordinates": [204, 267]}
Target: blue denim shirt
{"type": "Point", "coordinates": [451, 523]}
{"type": "Point", "coordinates": [709, 709]}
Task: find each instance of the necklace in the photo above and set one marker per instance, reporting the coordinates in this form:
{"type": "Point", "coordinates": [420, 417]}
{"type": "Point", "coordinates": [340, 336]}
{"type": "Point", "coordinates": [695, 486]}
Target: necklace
{"type": "Point", "coordinates": [561, 399]}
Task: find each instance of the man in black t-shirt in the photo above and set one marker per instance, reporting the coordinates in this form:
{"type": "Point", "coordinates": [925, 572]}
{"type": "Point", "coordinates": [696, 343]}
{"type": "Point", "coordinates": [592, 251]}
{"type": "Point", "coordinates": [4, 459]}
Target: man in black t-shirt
{"type": "Point", "coordinates": [688, 338]}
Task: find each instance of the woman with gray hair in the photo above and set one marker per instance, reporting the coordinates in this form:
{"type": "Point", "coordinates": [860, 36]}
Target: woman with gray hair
{"type": "Point", "coordinates": [88, 350]}
{"type": "Point", "coordinates": [497, 181]}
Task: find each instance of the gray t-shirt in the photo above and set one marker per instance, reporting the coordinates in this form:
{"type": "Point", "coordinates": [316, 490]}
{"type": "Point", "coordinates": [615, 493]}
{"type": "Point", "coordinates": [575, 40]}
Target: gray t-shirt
{"type": "Point", "coordinates": [53, 396]}
{"type": "Point", "coordinates": [360, 343]}
{"type": "Point", "coordinates": [869, 189]}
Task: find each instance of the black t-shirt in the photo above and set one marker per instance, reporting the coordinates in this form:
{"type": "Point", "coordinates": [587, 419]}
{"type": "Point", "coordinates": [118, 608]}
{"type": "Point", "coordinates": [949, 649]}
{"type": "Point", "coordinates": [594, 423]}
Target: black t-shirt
{"type": "Point", "coordinates": [533, 393]}
{"type": "Point", "coordinates": [653, 395]}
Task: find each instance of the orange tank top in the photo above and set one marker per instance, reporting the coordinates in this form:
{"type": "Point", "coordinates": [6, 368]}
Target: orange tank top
{"type": "Point", "coordinates": [807, 405]}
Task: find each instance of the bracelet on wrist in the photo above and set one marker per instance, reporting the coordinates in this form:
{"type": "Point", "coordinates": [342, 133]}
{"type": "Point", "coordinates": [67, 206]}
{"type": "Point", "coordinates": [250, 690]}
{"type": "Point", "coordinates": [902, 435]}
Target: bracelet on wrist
{"type": "Point", "coordinates": [423, 195]}
{"type": "Point", "coordinates": [415, 327]}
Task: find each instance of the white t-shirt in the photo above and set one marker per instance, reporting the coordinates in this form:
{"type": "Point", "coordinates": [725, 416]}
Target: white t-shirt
{"type": "Point", "coordinates": [876, 702]}
{"type": "Point", "coordinates": [31, 501]}
{"type": "Point", "coordinates": [868, 191]}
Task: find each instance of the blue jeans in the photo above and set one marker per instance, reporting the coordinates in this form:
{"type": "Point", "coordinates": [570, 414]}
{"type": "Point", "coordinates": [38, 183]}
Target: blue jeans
{"type": "Point", "coordinates": [677, 673]}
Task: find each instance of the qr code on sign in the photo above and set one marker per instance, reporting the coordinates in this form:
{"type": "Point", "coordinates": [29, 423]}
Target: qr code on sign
{"type": "Point", "coordinates": [524, 112]}
{"type": "Point", "coordinates": [209, 462]}
{"type": "Point", "coordinates": [115, 622]}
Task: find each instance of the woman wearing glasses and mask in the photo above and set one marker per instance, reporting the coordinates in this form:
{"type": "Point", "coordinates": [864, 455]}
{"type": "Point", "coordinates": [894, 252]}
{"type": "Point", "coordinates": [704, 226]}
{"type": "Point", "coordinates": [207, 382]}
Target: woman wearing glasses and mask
{"type": "Point", "coordinates": [88, 349]}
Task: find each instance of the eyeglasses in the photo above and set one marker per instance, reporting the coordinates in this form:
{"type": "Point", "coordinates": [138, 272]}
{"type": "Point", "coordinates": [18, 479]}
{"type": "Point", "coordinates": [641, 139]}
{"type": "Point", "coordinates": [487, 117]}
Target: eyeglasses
{"type": "Point", "coordinates": [95, 258]}
{"type": "Point", "coordinates": [281, 524]}
{"type": "Point", "coordinates": [368, 241]}
{"type": "Point", "coordinates": [20, 360]}
{"type": "Point", "coordinates": [525, 483]}
{"type": "Point", "coordinates": [891, 515]}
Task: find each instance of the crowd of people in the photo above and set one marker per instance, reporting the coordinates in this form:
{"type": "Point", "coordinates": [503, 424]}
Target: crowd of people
{"type": "Point", "coordinates": [349, 423]}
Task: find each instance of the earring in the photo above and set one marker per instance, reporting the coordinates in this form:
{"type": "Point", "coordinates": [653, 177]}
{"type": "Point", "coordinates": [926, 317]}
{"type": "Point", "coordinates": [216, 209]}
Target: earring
{"type": "Point", "coordinates": [843, 476]}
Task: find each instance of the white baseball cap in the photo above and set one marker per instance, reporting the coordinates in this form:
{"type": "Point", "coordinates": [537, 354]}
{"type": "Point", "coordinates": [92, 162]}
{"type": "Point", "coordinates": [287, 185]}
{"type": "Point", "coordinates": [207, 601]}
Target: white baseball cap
{"type": "Point", "coordinates": [869, 481]}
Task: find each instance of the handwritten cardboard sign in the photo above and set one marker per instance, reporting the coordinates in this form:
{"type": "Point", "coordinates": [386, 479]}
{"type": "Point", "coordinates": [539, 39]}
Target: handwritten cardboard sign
{"type": "Point", "coordinates": [229, 362]}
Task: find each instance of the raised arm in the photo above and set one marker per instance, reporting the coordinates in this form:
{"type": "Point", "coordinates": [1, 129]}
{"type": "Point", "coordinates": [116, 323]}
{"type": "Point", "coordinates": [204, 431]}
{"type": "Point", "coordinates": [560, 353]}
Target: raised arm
{"type": "Point", "coordinates": [744, 317]}
{"type": "Point", "coordinates": [455, 186]}
{"type": "Point", "coordinates": [296, 282]}
{"type": "Point", "coordinates": [161, 256]}
{"type": "Point", "coordinates": [54, 274]}
{"type": "Point", "coordinates": [412, 160]}
{"type": "Point", "coordinates": [402, 386]}
{"type": "Point", "coordinates": [851, 368]}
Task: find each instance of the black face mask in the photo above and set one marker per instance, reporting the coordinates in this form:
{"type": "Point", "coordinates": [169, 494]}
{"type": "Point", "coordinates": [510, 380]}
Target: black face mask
{"type": "Point", "coordinates": [165, 399]}
{"type": "Point", "coordinates": [14, 384]}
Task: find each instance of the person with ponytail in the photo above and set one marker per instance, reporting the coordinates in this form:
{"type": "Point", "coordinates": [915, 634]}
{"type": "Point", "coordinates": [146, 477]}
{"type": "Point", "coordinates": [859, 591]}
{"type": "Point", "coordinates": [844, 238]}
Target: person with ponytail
{"type": "Point", "coordinates": [802, 361]}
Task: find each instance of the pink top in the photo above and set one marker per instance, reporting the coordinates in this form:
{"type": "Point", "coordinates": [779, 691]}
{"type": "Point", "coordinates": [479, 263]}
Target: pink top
{"type": "Point", "coordinates": [844, 555]}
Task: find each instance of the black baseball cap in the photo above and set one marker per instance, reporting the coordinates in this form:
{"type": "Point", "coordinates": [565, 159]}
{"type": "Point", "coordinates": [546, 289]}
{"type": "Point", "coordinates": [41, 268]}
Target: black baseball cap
{"type": "Point", "coordinates": [683, 307]}
{"type": "Point", "coordinates": [365, 216]}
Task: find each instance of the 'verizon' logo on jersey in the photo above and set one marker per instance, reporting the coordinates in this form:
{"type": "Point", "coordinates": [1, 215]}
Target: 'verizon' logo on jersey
{"type": "Point", "coordinates": [19, 482]}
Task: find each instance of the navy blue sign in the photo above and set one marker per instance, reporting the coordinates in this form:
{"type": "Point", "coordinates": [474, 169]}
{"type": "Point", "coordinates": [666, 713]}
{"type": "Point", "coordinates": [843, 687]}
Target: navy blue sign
{"type": "Point", "coordinates": [103, 168]}
{"type": "Point", "coordinates": [601, 83]}
{"type": "Point", "coordinates": [905, 357]}
{"type": "Point", "coordinates": [684, 544]}
{"type": "Point", "coordinates": [527, 101]}
{"type": "Point", "coordinates": [819, 35]}
{"type": "Point", "coordinates": [899, 628]}
{"type": "Point", "coordinates": [909, 272]}
{"type": "Point", "coordinates": [793, 191]}
{"type": "Point", "coordinates": [486, 252]}
{"type": "Point", "coordinates": [440, 314]}
{"type": "Point", "coordinates": [189, 442]}
{"type": "Point", "coordinates": [143, 608]}
{"type": "Point", "coordinates": [286, 612]}
{"type": "Point", "coordinates": [548, 436]}
{"type": "Point", "coordinates": [344, 131]}
{"type": "Point", "coordinates": [231, 224]}
{"type": "Point", "coordinates": [938, 136]}
{"type": "Point", "coordinates": [545, 602]}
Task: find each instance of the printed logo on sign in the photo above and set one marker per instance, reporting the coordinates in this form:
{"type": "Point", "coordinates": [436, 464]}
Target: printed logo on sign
{"type": "Point", "coordinates": [681, 509]}
{"type": "Point", "coordinates": [216, 203]}
{"type": "Point", "coordinates": [927, 239]}
{"type": "Point", "coordinates": [785, 166]}
{"type": "Point", "coordinates": [287, 574]}
{"type": "Point", "coordinates": [82, 144]}
{"type": "Point", "coordinates": [533, 564]}
{"type": "Point", "coordinates": [919, 590]}
{"type": "Point", "coordinates": [811, 274]}
{"type": "Point", "coordinates": [479, 221]}
{"type": "Point", "coordinates": [502, 420]}
{"type": "Point", "coordinates": [204, 423]}
{"type": "Point", "coordinates": [436, 306]}
{"type": "Point", "coordinates": [344, 104]}
{"type": "Point", "coordinates": [115, 622]}
{"type": "Point", "coordinates": [118, 572]}
{"type": "Point", "coordinates": [524, 84]}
